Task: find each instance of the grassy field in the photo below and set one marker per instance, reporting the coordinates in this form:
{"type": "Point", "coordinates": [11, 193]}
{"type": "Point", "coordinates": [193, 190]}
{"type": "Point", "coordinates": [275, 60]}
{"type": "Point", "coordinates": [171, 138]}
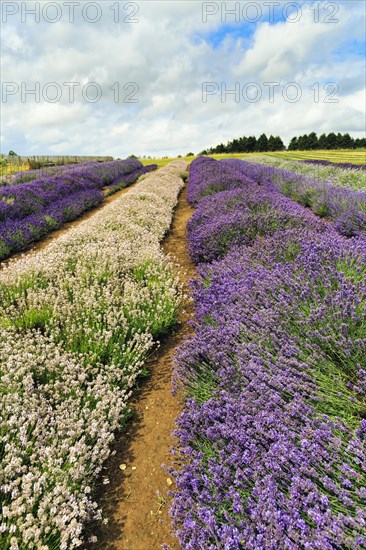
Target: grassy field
{"type": "Point", "coordinates": [164, 161]}
{"type": "Point", "coordinates": [357, 156]}
{"type": "Point", "coordinates": [12, 168]}
{"type": "Point", "coordinates": [12, 165]}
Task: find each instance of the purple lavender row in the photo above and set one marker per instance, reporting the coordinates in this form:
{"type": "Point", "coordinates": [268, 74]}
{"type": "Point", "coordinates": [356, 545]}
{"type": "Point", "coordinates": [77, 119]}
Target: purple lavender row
{"type": "Point", "coordinates": [115, 171]}
{"type": "Point", "coordinates": [234, 209]}
{"type": "Point", "coordinates": [345, 207]}
{"type": "Point", "coordinates": [32, 198]}
{"type": "Point", "coordinates": [101, 167]}
{"type": "Point", "coordinates": [17, 234]}
{"type": "Point", "coordinates": [346, 165]}
{"type": "Point", "coordinates": [273, 433]}
{"type": "Point", "coordinates": [29, 211]}
{"type": "Point", "coordinates": [208, 177]}
{"type": "Point", "coordinates": [29, 175]}
{"type": "Point", "coordinates": [23, 199]}
{"type": "Point", "coordinates": [134, 176]}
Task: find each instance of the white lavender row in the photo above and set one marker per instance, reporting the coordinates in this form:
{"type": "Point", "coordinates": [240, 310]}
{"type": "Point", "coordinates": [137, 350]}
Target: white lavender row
{"type": "Point", "coordinates": [77, 321]}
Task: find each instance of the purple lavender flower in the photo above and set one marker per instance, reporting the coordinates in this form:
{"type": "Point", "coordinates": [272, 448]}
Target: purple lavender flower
{"type": "Point", "coordinates": [272, 433]}
{"type": "Point", "coordinates": [28, 211]}
{"type": "Point", "coordinates": [347, 165]}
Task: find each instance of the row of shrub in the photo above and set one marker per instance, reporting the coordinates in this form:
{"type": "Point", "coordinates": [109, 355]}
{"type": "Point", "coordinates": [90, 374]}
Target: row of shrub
{"type": "Point", "coordinates": [272, 437]}
{"type": "Point", "coordinates": [28, 211]}
{"type": "Point", "coordinates": [350, 176]}
{"type": "Point", "coordinates": [345, 207]}
{"type": "Point", "coordinates": [77, 321]}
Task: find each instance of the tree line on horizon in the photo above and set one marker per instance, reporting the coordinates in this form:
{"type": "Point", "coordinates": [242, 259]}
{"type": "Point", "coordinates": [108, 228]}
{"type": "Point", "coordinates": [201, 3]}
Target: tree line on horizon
{"type": "Point", "coordinates": [331, 141]}
{"type": "Point", "coordinates": [306, 142]}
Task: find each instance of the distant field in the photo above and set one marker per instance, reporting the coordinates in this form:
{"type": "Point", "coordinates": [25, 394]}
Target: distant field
{"type": "Point", "coordinates": [164, 161]}
{"type": "Point", "coordinates": [357, 156]}
{"type": "Point", "coordinates": [12, 165]}
{"type": "Point", "coordinates": [9, 169]}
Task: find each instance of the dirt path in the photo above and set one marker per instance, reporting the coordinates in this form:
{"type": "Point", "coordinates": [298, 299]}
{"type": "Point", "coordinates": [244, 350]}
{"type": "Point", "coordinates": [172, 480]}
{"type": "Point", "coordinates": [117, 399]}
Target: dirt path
{"type": "Point", "coordinates": [136, 501]}
{"type": "Point", "coordinates": [47, 239]}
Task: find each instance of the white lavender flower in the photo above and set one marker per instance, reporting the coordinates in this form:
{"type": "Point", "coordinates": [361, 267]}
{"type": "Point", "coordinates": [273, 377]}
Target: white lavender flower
{"type": "Point", "coordinates": [77, 321]}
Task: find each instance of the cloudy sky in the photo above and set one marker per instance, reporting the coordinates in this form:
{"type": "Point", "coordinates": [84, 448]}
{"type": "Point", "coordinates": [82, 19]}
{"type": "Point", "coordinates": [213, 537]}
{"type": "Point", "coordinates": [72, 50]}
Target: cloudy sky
{"type": "Point", "coordinates": [168, 77]}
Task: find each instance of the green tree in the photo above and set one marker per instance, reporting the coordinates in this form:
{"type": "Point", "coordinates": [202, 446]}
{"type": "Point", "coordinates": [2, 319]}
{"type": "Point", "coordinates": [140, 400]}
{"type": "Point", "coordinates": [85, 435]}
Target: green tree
{"type": "Point", "coordinates": [360, 142]}
{"type": "Point", "coordinates": [278, 144]}
{"type": "Point", "coordinates": [294, 144]}
{"type": "Point", "coordinates": [313, 142]}
{"type": "Point", "coordinates": [348, 141]}
{"type": "Point", "coordinates": [251, 144]}
{"type": "Point", "coordinates": [304, 142]}
{"type": "Point", "coordinates": [339, 141]}
{"type": "Point", "coordinates": [322, 141]}
{"type": "Point", "coordinates": [271, 143]}
{"type": "Point", "coordinates": [242, 147]}
{"type": "Point", "coordinates": [262, 143]}
{"type": "Point", "coordinates": [234, 146]}
{"type": "Point", "coordinates": [220, 149]}
{"type": "Point", "coordinates": [331, 141]}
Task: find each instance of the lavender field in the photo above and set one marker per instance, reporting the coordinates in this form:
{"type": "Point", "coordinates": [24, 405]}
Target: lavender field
{"type": "Point", "coordinates": [348, 175]}
{"type": "Point", "coordinates": [183, 275]}
{"type": "Point", "coordinates": [78, 320]}
{"type": "Point", "coordinates": [39, 201]}
{"type": "Point", "coordinates": [270, 450]}
{"type": "Point", "coordinates": [272, 435]}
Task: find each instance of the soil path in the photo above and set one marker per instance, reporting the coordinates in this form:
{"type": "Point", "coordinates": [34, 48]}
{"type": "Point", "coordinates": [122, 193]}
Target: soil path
{"type": "Point", "coordinates": [136, 501]}
{"type": "Point", "coordinates": [47, 239]}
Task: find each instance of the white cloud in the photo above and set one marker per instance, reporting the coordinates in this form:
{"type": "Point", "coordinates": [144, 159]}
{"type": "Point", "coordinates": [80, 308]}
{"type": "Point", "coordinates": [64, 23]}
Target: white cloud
{"type": "Point", "coordinates": [168, 56]}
